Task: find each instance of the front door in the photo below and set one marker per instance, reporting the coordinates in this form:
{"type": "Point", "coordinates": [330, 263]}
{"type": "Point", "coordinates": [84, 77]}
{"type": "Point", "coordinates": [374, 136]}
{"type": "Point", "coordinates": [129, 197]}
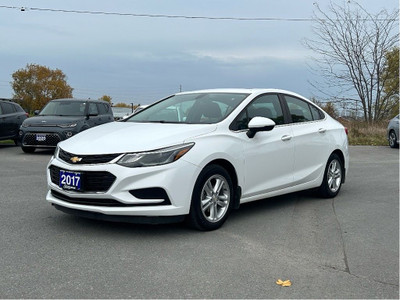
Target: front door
{"type": "Point", "coordinates": [269, 155]}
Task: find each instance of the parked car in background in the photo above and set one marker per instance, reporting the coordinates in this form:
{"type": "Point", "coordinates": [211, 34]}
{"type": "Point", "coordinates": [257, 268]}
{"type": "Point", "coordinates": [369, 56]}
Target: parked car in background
{"type": "Point", "coordinates": [61, 119]}
{"type": "Point", "coordinates": [198, 155]}
{"type": "Point", "coordinates": [393, 132]}
{"type": "Point", "coordinates": [11, 117]}
{"type": "Point", "coordinates": [121, 112]}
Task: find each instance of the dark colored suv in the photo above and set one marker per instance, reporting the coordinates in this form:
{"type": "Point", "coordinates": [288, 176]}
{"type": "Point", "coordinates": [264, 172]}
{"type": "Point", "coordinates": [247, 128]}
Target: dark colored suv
{"type": "Point", "coordinates": [61, 119]}
{"type": "Point", "coordinates": [11, 117]}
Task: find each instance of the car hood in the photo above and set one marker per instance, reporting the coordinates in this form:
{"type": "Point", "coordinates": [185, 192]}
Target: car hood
{"type": "Point", "coordinates": [121, 137]}
{"type": "Point", "coordinates": [50, 120]}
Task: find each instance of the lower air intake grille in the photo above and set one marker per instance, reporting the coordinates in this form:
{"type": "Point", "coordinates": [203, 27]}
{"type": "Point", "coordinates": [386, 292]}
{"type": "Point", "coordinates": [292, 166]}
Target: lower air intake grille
{"type": "Point", "coordinates": [93, 181]}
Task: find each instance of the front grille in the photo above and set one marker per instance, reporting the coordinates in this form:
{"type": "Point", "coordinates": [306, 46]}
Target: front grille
{"type": "Point", "coordinates": [52, 139]}
{"type": "Point", "coordinates": [91, 181]}
{"type": "Point", "coordinates": [87, 159]}
{"type": "Point", "coordinates": [89, 201]}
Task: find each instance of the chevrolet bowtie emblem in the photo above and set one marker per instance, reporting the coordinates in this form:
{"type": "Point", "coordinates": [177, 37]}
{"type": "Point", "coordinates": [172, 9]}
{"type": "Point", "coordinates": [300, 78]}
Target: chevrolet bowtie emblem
{"type": "Point", "coordinates": [75, 159]}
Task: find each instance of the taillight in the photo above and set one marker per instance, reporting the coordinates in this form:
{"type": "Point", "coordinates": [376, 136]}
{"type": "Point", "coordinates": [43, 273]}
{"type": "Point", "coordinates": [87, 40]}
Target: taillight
{"type": "Point", "coordinates": [346, 130]}
{"type": "Point", "coordinates": [27, 115]}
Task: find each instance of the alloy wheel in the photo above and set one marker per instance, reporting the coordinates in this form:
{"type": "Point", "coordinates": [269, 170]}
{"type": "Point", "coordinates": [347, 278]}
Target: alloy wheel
{"type": "Point", "coordinates": [215, 198]}
{"type": "Point", "coordinates": [334, 176]}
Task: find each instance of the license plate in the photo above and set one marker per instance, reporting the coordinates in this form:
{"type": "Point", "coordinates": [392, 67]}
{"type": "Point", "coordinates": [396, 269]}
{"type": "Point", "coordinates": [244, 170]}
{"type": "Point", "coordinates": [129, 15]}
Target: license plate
{"type": "Point", "coordinates": [70, 180]}
{"type": "Point", "coordinates": [40, 137]}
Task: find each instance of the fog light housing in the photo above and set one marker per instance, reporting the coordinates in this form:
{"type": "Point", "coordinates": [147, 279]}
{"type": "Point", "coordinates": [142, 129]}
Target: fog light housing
{"type": "Point", "coordinates": [68, 134]}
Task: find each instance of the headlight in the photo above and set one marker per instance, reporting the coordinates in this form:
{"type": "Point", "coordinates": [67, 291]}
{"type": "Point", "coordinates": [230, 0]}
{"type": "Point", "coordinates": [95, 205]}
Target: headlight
{"type": "Point", "coordinates": [154, 158]}
{"type": "Point", "coordinates": [67, 125]}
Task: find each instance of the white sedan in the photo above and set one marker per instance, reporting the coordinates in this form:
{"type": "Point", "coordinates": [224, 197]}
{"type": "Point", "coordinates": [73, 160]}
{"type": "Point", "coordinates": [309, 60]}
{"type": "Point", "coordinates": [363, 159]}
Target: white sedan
{"type": "Point", "coordinates": [197, 155]}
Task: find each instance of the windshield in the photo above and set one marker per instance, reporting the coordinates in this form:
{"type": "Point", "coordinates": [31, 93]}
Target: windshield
{"type": "Point", "coordinates": [196, 108]}
{"type": "Point", "coordinates": [64, 108]}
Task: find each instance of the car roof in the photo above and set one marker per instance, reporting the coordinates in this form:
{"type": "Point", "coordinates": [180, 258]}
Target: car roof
{"type": "Point", "coordinates": [254, 91]}
{"type": "Point", "coordinates": [80, 100]}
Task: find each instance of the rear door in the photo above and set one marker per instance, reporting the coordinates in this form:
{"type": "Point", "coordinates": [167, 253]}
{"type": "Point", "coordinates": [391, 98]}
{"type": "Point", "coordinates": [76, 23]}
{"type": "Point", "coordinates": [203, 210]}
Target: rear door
{"type": "Point", "coordinates": [310, 139]}
{"type": "Point", "coordinates": [2, 122]}
{"type": "Point", "coordinates": [9, 120]}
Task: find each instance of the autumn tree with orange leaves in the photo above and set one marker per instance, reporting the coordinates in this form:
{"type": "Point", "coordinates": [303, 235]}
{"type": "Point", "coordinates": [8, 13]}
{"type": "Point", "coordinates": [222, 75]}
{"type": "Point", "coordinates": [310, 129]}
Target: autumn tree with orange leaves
{"type": "Point", "coordinates": [35, 85]}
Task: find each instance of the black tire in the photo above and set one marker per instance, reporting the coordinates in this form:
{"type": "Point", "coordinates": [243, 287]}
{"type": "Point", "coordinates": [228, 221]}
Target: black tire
{"type": "Point", "coordinates": [393, 139]}
{"type": "Point", "coordinates": [211, 215]}
{"type": "Point", "coordinates": [333, 177]}
{"type": "Point", "coordinates": [28, 149]}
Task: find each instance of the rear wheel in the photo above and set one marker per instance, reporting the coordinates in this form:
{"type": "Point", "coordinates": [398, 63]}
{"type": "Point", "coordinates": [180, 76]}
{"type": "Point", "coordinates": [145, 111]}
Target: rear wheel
{"type": "Point", "coordinates": [393, 139]}
{"type": "Point", "coordinates": [212, 199]}
{"type": "Point", "coordinates": [28, 149]}
{"type": "Point", "coordinates": [333, 177]}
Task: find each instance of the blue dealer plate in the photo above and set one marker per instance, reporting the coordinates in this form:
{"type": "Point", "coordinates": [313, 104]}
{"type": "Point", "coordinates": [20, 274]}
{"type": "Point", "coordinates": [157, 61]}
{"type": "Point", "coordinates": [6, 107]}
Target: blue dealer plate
{"type": "Point", "coordinates": [70, 180]}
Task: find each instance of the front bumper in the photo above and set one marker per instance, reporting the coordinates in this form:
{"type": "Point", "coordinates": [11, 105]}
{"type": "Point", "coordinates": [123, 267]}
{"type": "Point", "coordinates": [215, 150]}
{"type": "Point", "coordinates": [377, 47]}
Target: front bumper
{"type": "Point", "coordinates": [130, 192]}
{"type": "Point", "coordinates": [44, 137]}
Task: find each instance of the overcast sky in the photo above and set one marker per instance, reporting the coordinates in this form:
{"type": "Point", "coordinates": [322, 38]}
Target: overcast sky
{"type": "Point", "coordinates": [142, 59]}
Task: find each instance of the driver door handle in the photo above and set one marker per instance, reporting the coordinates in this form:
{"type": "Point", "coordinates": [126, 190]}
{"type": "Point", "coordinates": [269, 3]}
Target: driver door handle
{"type": "Point", "coordinates": [286, 138]}
{"type": "Point", "coordinates": [322, 130]}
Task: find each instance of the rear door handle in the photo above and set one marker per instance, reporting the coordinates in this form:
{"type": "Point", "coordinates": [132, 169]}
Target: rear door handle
{"type": "Point", "coordinates": [322, 130]}
{"type": "Point", "coordinates": [286, 138]}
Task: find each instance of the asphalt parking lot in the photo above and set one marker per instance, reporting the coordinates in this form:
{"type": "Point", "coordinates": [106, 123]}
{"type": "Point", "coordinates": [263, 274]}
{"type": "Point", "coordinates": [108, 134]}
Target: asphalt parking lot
{"type": "Point", "coordinates": [347, 247]}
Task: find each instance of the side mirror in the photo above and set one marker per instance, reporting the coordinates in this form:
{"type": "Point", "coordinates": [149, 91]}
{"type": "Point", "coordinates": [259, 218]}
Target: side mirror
{"type": "Point", "coordinates": [36, 112]}
{"type": "Point", "coordinates": [259, 124]}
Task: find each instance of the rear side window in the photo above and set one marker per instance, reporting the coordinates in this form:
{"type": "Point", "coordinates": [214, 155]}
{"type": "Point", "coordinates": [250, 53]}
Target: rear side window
{"type": "Point", "coordinates": [8, 108]}
{"type": "Point", "coordinates": [299, 109]}
{"type": "Point", "coordinates": [316, 113]}
{"type": "Point", "coordinates": [18, 108]}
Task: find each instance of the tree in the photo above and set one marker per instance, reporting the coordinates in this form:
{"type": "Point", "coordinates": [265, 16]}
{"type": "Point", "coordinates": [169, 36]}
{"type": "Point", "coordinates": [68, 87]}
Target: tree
{"type": "Point", "coordinates": [391, 82]}
{"type": "Point", "coordinates": [106, 98]}
{"type": "Point", "coordinates": [36, 85]}
{"type": "Point", "coordinates": [124, 105]}
{"type": "Point", "coordinates": [351, 46]}
{"type": "Point", "coordinates": [328, 107]}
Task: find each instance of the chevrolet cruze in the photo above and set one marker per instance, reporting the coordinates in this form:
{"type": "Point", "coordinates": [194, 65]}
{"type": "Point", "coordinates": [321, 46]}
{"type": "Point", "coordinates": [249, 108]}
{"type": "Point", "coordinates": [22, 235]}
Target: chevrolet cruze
{"type": "Point", "coordinates": [197, 155]}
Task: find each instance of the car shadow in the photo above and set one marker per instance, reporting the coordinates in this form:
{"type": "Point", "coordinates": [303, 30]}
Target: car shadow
{"type": "Point", "coordinates": [246, 211]}
{"type": "Point", "coordinates": [40, 152]}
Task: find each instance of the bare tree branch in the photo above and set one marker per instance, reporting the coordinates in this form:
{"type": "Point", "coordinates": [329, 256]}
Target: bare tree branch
{"type": "Point", "coordinates": [350, 48]}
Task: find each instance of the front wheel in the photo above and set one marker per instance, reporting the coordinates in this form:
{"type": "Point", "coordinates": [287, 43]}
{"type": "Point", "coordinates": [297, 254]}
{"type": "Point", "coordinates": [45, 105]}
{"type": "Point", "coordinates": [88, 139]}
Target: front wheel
{"type": "Point", "coordinates": [212, 199]}
{"type": "Point", "coordinates": [393, 140]}
{"type": "Point", "coordinates": [333, 177]}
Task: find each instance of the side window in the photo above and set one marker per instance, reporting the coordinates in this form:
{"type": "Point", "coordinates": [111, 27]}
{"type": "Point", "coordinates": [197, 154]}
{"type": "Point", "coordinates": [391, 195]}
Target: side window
{"type": "Point", "coordinates": [18, 108]}
{"type": "Point", "coordinates": [102, 108]}
{"type": "Point", "coordinates": [8, 108]}
{"type": "Point", "coordinates": [267, 106]}
{"type": "Point", "coordinates": [93, 109]}
{"type": "Point", "coordinates": [299, 109]}
{"type": "Point", "coordinates": [316, 113]}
